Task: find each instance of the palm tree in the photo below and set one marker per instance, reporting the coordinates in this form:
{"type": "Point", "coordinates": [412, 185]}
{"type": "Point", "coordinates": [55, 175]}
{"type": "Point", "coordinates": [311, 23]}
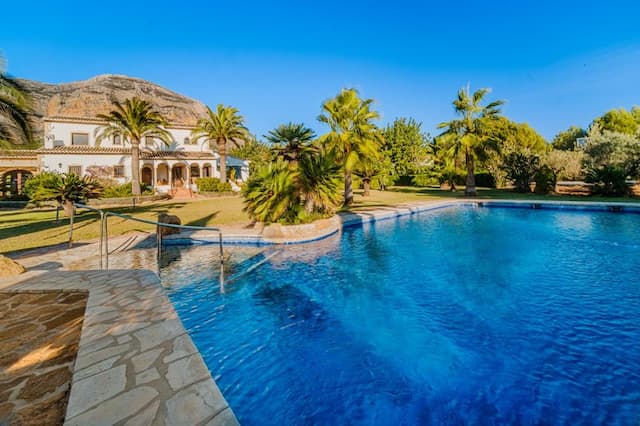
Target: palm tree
{"type": "Point", "coordinates": [319, 181]}
{"type": "Point", "coordinates": [14, 106]}
{"type": "Point", "coordinates": [66, 190]}
{"type": "Point", "coordinates": [132, 121]}
{"type": "Point", "coordinates": [222, 127]}
{"type": "Point", "coordinates": [290, 141]}
{"type": "Point", "coordinates": [369, 169]}
{"type": "Point", "coordinates": [352, 136]}
{"type": "Point", "coordinates": [271, 193]}
{"type": "Point", "coordinates": [468, 134]}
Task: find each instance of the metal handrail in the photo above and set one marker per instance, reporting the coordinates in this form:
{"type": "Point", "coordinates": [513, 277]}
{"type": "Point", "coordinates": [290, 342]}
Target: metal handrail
{"type": "Point", "coordinates": [82, 206]}
{"type": "Point", "coordinates": [104, 235]}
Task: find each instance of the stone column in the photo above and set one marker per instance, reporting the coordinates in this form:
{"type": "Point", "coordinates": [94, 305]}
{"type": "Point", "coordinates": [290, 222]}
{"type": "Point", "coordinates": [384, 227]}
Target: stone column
{"type": "Point", "coordinates": [19, 182]}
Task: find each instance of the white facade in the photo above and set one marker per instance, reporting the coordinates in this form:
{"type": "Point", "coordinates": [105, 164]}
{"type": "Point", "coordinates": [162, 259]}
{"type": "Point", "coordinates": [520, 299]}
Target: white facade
{"type": "Point", "coordinates": [71, 146]}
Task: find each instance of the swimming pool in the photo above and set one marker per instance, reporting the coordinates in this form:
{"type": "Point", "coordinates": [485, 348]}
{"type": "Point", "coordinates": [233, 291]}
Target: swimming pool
{"type": "Point", "coordinates": [457, 316]}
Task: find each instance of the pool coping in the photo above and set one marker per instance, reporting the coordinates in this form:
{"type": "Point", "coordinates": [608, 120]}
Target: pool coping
{"type": "Point", "coordinates": [136, 363]}
{"type": "Point", "coordinates": [300, 234]}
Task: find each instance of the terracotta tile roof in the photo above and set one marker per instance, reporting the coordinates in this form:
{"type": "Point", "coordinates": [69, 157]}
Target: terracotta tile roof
{"type": "Point", "coordinates": [80, 149]}
{"type": "Point", "coordinates": [148, 155]}
{"type": "Point", "coordinates": [75, 150]}
{"type": "Point", "coordinates": [30, 154]}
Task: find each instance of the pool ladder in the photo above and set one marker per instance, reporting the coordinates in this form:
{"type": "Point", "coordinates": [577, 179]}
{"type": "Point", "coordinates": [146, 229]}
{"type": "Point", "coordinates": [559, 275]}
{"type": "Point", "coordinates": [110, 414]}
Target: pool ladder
{"type": "Point", "coordinates": [103, 246]}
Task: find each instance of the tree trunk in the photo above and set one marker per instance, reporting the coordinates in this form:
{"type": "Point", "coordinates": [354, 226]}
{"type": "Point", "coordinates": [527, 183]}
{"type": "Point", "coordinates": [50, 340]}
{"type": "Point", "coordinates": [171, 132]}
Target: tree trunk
{"type": "Point", "coordinates": [135, 168]}
{"type": "Point", "coordinates": [68, 206]}
{"type": "Point", "coordinates": [348, 189]}
{"type": "Point", "coordinates": [309, 205]}
{"type": "Point", "coordinates": [222, 151]}
{"type": "Point", "coordinates": [470, 190]}
{"type": "Point", "coordinates": [366, 185]}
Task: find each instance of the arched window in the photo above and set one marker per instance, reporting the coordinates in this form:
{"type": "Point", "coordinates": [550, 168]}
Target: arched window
{"type": "Point", "coordinates": [187, 140]}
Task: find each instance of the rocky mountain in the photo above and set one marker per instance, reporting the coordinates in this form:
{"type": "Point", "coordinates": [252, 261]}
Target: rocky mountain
{"type": "Point", "coordinates": [86, 99]}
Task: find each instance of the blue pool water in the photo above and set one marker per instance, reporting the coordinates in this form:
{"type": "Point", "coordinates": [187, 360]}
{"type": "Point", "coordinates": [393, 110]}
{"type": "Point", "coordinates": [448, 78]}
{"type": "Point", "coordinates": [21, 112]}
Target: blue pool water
{"type": "Point", "coordinates": [456, 316]}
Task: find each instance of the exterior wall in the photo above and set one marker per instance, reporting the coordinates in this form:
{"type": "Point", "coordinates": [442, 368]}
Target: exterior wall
{"type": "Point", "coordinates": [60, 163]}
{"type": "Point", "coordinates": [58, 134]}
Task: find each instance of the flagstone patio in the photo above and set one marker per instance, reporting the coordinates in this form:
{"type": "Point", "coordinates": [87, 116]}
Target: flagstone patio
{"type": "Point", "coordinates": [40, 333]}
{"type": "Point", "coordinates": [136, 364]}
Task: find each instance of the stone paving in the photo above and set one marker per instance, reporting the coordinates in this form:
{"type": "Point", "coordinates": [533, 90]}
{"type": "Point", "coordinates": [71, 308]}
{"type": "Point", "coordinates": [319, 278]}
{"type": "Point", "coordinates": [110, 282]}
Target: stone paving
{"type": "Point", "coordinates": [136, 364]}
{"type": "Point", "coordinates": [40, 333]}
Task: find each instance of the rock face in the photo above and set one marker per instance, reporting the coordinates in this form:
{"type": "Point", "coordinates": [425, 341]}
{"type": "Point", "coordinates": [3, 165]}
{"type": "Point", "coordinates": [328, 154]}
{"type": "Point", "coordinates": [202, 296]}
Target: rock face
{"type": "Point", "coordinates": [9, 268]}
{"type": "Point", "coordinates": [86, 99]}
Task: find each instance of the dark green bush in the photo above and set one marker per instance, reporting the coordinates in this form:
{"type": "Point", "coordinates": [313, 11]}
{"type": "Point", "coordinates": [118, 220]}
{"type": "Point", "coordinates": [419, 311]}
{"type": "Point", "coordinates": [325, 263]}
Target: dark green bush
{"type": "Point", "coordinates": [608, 180]}
{"type": "Point", "coordinates": [425, 180]}
{"type": "Point", "coordinates": [521, 168]}
{"type": "Point", "coordinates": [485, 180]}
{"type": "Point", "coordinates": [225, 187]}
{"type": "Point", "coordinates": [41, 182]}
{"type": "Point", "coordinates": [545, 180]}
{"type": "Point", "coordinates": [124, 190]}
{"type": "Point", "coordinates": [211, 184]}
{"type": "Point", "coordinates": [403, 180]}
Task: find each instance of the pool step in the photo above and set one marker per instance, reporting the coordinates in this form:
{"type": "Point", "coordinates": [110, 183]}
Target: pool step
{"type": "Point", "coordinates": [253, 267]}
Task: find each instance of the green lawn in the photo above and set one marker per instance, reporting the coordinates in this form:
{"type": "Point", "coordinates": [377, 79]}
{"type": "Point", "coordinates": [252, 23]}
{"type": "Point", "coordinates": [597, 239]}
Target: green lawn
{"type": "Point", "coordinates": [23, 229]}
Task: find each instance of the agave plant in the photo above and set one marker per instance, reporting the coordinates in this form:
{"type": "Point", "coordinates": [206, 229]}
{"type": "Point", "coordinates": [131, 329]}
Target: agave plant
{"type": "Point", "coordinates": [271, 193]}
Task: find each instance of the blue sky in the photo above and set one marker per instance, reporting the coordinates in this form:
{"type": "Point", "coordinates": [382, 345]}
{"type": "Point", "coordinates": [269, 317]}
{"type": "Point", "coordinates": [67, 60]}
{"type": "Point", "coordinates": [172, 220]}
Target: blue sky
{"type": "Point", "coordinates": [556, 63]}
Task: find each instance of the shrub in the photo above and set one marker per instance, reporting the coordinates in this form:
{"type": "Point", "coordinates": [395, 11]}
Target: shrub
{"type": "Point", "coordinates": [211, 184]}
{"type": "Point", "coordinates": [319, 183]}
{"type": "Point", "coordinates": [425, 180]}
{"type": "Point", "coordinates": [608, 180]}
{"type": "Point", "coordinates": [485, 180]}
{"type": "Point", "coordinates": [115, 190]}
{"type": "Point", "coordinates": [521, 168]}
{"type": "Point", "coordinates": [270, 194]}
{"type": "Point", "coordinates": [567, 165]}
{"type": "Point", "coordinates": [545, 180]}
{"type": "Point", "coordinates": [403, 181]}
{"type": "Point", "coordinates": [40, 183]}
{"type": "Point", "coordinates": [69, 188]}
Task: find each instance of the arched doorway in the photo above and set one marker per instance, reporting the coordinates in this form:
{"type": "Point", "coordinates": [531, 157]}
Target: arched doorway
{"type": "Point", "coordinates": [206, 170]}
{"type": "Point", "coordinates": [12, 182]}
{"type": "Point", "coordinates": [146, 176]}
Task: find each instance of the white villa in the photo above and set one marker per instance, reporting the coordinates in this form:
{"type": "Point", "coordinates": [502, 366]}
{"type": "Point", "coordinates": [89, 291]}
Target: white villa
{"type": "Point", "coordinates": [70, 147]}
